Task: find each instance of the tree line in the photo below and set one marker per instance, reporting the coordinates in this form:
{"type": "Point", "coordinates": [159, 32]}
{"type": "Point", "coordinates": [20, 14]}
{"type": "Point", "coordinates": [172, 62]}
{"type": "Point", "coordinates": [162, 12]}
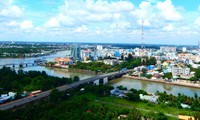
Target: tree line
{"type": "Point", "coordinates": [19, 81]}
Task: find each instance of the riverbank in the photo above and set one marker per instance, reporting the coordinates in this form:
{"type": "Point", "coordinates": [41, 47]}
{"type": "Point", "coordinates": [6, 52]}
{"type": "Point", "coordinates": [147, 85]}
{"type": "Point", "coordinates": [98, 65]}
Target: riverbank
{"type": "Point", "coordinates": [177, 82]}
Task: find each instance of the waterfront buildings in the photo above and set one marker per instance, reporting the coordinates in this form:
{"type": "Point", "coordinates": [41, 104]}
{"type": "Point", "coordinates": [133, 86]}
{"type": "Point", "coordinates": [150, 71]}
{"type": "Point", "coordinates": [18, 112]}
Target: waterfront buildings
{"type": "Point", "coordinates": [179, 70]}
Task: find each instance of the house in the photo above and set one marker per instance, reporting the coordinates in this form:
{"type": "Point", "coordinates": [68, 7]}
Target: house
{"type": "Point", "coordinates": [12, 95]}
{"type": "Point", "coordinates": [110, 62]}
{"type": "Point", "coordinates": [63, 61]}
{"type": "Point", "coordinates": [150, 98]}
{"type": "Point", "coordinates": [118, 93]}
{"type": "Point", "coordinates": [185, 105]}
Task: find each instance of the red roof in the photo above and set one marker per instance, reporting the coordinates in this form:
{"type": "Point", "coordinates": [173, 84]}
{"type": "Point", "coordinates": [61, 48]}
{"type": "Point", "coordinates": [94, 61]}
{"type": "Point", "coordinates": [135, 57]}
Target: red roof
{"type": "Point", "coordinates": [63, 59]}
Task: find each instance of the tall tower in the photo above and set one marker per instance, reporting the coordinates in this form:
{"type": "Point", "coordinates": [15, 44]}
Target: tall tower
{"type": "Point", "coordinates": [142, 35]}
{"type": "Point", "coordinates": [75, 52]}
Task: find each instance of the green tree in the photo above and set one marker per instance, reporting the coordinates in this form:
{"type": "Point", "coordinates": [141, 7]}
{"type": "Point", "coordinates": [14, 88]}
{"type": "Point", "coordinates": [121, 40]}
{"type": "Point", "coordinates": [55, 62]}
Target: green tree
{"type": "Point", "coordinates": [149, 76]}
{"type": "Point", "coordinates": [76, 78]}
{"type": "Point", "coordinates": [168, 75]}
{"type": "Point", "coordinates": [197, 115]}
{"type": "Point", "coordinates": [144, 71]}
{"type": "Point", "coordinates": [54, 95]}
{"type": "Point", "coordinates": [134, 115]}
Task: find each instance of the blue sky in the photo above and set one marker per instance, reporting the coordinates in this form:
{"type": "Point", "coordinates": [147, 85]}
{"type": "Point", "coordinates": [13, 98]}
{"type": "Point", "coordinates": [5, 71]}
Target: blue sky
{"type": "Point", "coordinates": [101, 21]}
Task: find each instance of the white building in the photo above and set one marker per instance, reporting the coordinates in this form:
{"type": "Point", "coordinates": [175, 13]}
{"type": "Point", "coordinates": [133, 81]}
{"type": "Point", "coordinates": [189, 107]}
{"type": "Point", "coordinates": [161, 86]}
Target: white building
{"type": "Point", "coordinates": [99, 47]}
{"type": "Point", "coordinates": [110, 62]}
{"type": "Point", "coordinates": [150, 98]}
{"type": "Point", "coordinates": [179, 71]}
{"type": "Point", "coordinates": [184, 49]}
{"type": "Point", "coordinates": [167, 49]}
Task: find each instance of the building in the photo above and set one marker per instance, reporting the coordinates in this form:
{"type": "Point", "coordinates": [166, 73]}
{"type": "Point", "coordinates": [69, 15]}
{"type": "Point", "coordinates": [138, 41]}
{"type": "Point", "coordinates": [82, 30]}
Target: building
{"type": "Point", "coordinates": [150, 98]}
{"type": "Point", "coordinates": [167, 49]}
{"type": "Point", "coordinates": [110, 62]}
{"type": "Point", "coordinates": [199, 44]}
{"type": "Point", "coordinates": [179, 70]}
{"type": "Point", "coordinates": [63, 61]}
{"type": "Point", "coordinates": [99, 47]}
{"type": "Point", "coordinates": [75, 52]}
{"type": "Point", "coordinates": [184, 49]}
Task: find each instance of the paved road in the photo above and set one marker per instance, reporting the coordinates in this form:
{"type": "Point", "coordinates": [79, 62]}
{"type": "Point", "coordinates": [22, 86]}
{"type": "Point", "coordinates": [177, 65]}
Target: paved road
{"type": "Point", "coordinates": [29, 99]}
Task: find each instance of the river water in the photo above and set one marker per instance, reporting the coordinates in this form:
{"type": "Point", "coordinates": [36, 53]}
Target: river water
{"type": "Point", "coordinates": [152, 87]}
{"type": "Point", "coordinates": [127, 82]}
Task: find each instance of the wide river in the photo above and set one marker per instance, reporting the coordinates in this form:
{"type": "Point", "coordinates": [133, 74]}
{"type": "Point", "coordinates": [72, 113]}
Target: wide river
{"type": "Point", "coordinates": [127, 82]}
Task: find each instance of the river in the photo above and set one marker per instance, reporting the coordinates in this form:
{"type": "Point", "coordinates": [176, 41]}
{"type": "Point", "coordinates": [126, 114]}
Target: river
{"type": "Point", "coordinates": [127, 82]}
{"type": "Point", "coordinates": [50, 71]}
{"type": "Point", "coordinates": [152, 87]}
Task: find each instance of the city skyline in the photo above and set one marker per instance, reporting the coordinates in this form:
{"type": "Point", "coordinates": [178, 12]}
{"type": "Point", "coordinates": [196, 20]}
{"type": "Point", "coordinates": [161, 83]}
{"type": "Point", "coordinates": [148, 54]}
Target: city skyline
{"type": "Point", "coordinates": [103, 21]}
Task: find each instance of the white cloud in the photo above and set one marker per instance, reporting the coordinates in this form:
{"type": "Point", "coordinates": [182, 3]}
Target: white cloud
{"type": "Point", "coordinates": [12, 24]}
{"type": "Point", "coordinates": [77, 13]}
{"type": "Point", "coordinates": [199, 8]}
{"type": "Point", "coordinates": [168, 11]}
{"type": "Point", "coordinates": [99, 19]}
{"type": "Point", "coordinates": [144, 22]}
{"type": "Point", "coordinates": [197, 21]}
{"type": "Point", "coordinates": [81, 29]}
{"type": "Point", "coordinates": [26, 25]}
{"type": "Point", "coordinates": [120, 25]}
{"type": "Point", "coordinates": [53, 22]}
{"type": "Point", "coordinates": [168, 28]}
{"type": "Point", "coordinates": [101, 6]}
{"type": "Point", "coordinates": [7, 9]}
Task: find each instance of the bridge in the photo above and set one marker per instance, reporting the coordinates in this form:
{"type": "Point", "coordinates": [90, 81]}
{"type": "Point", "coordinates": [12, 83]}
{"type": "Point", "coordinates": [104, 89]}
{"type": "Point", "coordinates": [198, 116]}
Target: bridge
{"type": "Point", "coordinates": [18, 64]}
{"type": "Point", "coordinates": [100, 79]}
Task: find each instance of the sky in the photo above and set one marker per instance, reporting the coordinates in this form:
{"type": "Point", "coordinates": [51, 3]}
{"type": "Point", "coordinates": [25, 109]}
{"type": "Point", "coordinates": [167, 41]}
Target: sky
{"type": "Point", "coordinates": [101, 21]}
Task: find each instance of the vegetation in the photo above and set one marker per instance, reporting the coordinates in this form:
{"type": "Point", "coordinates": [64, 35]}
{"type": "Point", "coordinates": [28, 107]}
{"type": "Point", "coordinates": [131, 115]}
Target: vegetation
{"type": "Point", "coordinates": [21, 50]}
{"type": "Point", "coordinates": [20, 81]}
{"type": "Point", "coordinates": [80, 105]}
{"type": "Point", "coordinates": [168, 75]}
{"type": "Point", "coordinates": [174, 101]}
{"type": "Point", "coordinates": [101, 67]}
{"type": "Point", "coordinates": [196, 76]}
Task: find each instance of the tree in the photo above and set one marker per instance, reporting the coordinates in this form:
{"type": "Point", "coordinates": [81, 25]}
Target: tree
{"type": "Point", "coordinates": [197, 73]}
{"type": "Point", "coordinates": [121, 87]}
{"type": "Point", "coordinates": [134, 115]}
{"type": "Point", "coordinates": [76, 78]}
{"type": "Point", "coordinates": [130, 57]}
{"type": "Point", "coordinates": [168, 75]}
{"type": "Point", "coordinates": [54, 95]}
{"type": "Point", "coordinates": [197, 115]}
{"type": "Point", "coordinates": [151, 61]}
{"type": "Point", "coordinates": [149, 76]}
{"type": "Point", "coordinates": [144, 71]}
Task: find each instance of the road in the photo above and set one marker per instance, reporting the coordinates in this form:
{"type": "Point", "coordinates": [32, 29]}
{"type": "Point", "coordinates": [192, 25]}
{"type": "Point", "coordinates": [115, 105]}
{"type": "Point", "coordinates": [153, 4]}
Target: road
{"type": "Point", "coordinates": [44, 94]}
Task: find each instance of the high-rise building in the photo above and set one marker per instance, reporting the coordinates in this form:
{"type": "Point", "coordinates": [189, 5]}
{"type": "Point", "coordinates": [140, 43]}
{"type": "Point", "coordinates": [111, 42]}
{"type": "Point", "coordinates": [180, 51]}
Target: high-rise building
{"type": "Point", "coordinates": [199, 44]}
{"type": "Point", "coordinates": [75, 52]}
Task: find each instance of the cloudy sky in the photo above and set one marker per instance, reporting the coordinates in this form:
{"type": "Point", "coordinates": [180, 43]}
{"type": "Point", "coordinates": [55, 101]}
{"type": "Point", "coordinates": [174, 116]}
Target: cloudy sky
{"type": "Point", "coordinates": [105, 21]}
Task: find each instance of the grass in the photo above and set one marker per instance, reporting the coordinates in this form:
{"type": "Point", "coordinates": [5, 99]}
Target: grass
{"type": "Point", "coordinates": [148, 106]}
